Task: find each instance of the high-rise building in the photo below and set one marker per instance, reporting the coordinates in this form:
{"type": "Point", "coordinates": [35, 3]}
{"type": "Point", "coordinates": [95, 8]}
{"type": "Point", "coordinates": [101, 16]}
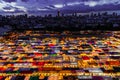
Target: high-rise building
{"type": "Point", "coordinates": [58, 13]}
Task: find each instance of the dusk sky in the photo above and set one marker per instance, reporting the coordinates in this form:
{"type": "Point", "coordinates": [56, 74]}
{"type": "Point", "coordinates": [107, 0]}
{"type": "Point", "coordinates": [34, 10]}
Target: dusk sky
{"type": "Point", "coordinates": [54, 5]}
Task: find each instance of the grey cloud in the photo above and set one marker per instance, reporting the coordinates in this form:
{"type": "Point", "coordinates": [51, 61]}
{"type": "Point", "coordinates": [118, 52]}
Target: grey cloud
{"type": "Point", "coordinates": [85, 5]}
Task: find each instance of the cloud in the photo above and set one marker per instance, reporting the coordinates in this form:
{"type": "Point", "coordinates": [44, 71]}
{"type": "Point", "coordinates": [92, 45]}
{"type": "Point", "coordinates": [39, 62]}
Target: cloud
{"type": "Point", "coordinates": [101, 2]}
{"type": "Point", "coordinates": [59, 5]}
{"type": "Point", "coordinates": [91, 3]}
{"type": "Point", "coordinates": [10, 1]}
{"type": "Point", "coordinates": [73, 3]}
{"type": "Point", "coordinates": [44, 5]}
{"type": "Point", "coordinates": [11, 6]}
{"type": "Point", "coordinates": [42, 9]}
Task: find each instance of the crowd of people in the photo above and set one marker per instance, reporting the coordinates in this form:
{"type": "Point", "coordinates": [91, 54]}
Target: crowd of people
{"type": "Point", "coordinates": [91, 21]}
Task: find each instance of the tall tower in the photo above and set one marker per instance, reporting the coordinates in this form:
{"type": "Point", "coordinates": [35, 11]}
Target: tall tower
{"type": "Point", "coordinates": [58, 13]}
